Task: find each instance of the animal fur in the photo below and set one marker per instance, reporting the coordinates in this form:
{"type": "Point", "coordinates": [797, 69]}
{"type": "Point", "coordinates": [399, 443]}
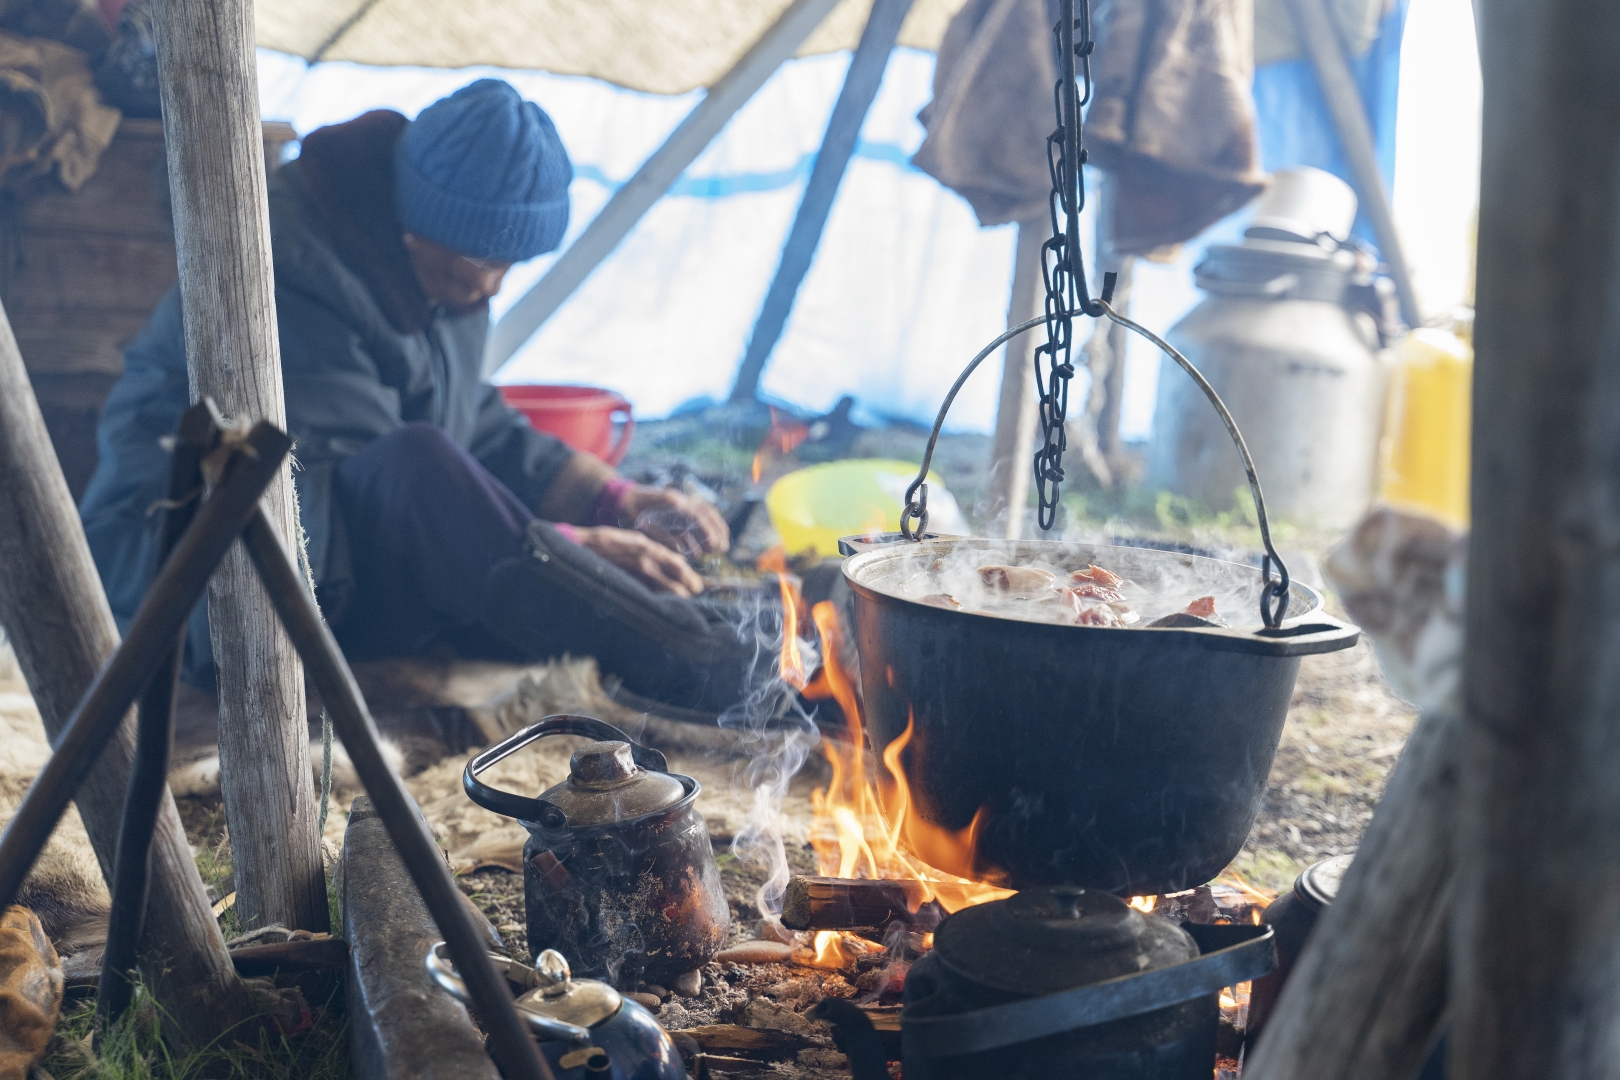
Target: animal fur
{"type": "Point", "coordinates": [1401, 578]}
{"type": "Point", "coordinates": [66, 889]}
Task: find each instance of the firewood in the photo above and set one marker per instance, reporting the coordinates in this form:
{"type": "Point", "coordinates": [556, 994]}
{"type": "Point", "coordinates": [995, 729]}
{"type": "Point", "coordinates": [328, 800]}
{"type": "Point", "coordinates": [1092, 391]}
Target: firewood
{"type": "Point", "coordinates": [736, 1039]}
{"type": "Point", "coordinates": [306, 954]}
{"type": "Point", "coordinates": [825, 903]}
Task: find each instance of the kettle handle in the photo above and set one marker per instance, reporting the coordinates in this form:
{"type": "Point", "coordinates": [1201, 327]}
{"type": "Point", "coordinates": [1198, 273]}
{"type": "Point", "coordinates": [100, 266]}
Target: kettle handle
{"type": "Point", "coordinates": [525, 808]}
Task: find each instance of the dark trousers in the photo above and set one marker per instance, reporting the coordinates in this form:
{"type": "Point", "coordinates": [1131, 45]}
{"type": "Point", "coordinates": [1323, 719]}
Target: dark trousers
{"type": "Point", "coordinates": [425, 524]}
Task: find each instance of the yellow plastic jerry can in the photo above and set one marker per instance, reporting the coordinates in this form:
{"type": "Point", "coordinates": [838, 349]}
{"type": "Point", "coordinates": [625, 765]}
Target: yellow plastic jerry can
{"type": "Point", "coordinates": [1426, 451]}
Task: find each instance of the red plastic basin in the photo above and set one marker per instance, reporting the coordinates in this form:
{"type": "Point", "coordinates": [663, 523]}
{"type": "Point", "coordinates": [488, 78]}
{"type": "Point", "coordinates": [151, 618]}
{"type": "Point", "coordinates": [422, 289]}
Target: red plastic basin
{"type": "Point", "coordinates": [584, 417]}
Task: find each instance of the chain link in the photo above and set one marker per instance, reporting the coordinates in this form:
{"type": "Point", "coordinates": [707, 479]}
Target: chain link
{"type": "Point", "coordinates": [1062, 264]}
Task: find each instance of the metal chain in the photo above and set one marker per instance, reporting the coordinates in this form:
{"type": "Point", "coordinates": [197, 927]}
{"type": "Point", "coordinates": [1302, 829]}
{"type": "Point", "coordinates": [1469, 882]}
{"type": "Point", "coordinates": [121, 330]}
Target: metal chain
{"type": "Point", "coordinates": [1062, 264]}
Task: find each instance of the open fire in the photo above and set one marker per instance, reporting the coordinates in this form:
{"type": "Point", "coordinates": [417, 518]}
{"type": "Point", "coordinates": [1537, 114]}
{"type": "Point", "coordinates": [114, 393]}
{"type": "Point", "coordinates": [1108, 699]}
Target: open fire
{"type": "Point", "coordinates": [864, 826]}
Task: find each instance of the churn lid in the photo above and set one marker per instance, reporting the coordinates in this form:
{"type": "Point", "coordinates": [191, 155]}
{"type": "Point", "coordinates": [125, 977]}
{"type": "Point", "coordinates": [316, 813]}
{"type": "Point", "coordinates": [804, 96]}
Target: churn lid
{"type": "Point", "coordinates": [605, 785]}
{"type": "Point", "coordinates": [585, 1002]}
{"type": "Point", "coordinates": [1319, 884]}
{"type": "Point", "coordinates": [1049, 939]}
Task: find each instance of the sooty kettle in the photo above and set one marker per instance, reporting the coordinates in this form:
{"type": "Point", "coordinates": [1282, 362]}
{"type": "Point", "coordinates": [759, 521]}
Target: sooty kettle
{"type": "Point", "coordinates": [618, 872]}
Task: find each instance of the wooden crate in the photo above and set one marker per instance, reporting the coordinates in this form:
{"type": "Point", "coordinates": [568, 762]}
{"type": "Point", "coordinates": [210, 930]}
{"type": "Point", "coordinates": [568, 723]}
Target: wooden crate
{"type": "Point", "coordinates": [81, 273]}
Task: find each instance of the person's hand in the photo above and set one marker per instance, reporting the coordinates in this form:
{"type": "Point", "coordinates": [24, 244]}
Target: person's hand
{"type": "Point", "coordinates": [675, 519]}
{"type": "Point", "coordinates": [659, 568]}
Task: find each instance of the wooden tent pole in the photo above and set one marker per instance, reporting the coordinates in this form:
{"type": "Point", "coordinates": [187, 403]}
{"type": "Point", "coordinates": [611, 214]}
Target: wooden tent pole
{"type": "Point", "coordinates": [861, 84]}
{"type": "Point", "coordinates": [1012, 447]}
{"type": "Point", "coordinates": [1366, 997]}
{"type": "Point", "coordinates": [59, 624]}
{"type": "Point", "coordinates": [208, 81]}
{"type": "Point", "coordinates": [1536, 928]}
{"type": "Point", "coordinates": [1320, 41]}
{"type": "Point", "coordinates": [632, 201]}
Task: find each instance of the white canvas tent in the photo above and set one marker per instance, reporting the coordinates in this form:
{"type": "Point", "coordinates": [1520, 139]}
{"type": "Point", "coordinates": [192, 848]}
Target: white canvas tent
{"type": "Point", "coordinates": [656, 46]}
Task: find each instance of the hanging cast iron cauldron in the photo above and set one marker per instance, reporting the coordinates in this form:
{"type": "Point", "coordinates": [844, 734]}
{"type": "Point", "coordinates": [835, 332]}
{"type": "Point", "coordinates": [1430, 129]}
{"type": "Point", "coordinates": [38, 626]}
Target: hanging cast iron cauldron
{"type": "Point", "coordinates": [585, 1028]}
{"type": "Point", "coordinates": [617, 871]}
{"type": "Point", "coordinates": [1072, 982]}
{"type": "Point", "coordinates": [1132, 760]}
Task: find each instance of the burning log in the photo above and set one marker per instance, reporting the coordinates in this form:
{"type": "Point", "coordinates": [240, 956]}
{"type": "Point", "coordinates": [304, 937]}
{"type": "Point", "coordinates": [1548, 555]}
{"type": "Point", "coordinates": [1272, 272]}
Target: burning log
{"type": "Point", "coordinates": [734, 1039]}
{"type": "Point", "coordinates": [829, 903]}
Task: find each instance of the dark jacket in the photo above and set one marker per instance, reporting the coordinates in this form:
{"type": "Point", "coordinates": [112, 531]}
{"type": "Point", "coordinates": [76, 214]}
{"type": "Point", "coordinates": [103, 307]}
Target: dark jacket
{"type": "Point", "coordinates": [362, 353]}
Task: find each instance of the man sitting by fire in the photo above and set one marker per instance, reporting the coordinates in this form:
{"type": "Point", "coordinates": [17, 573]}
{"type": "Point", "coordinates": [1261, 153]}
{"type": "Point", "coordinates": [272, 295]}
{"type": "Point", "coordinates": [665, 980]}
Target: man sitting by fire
{"type": "Point", "coordinates": [434, 514]}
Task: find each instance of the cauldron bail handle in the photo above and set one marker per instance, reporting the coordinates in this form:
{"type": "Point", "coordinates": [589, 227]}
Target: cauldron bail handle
{"type": "Point", "coordinates": [1273, 591]}
{"type": "Point", "coordinates": [526, 808]}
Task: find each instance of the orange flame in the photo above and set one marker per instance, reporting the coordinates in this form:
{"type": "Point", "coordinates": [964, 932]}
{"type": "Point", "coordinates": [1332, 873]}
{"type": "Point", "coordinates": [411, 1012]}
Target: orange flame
{"type": "Point", "coordinates": [1144, 904]}
{"type": "Point", "coordinates": [790, 665]}
{"type": "Point", "coordinates": [784, 437]}
{"type": "Point", "coordinates": [863, 826]}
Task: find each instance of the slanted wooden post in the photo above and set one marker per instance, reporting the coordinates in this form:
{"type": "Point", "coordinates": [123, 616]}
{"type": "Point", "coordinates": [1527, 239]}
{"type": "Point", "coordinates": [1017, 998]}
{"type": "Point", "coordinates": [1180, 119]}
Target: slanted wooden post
{"type": "Point", "coordinates": [1536, 931]}
{"type": "Point", "coordinates": [861, 84]}
{"type": "Point", "coordinates": [1366, 997]}
{"type": "Point", "coordinates": [210, 97]}
{"type": "Point", "coordinates": [1012, 448]}
{"type": "Point", "coordinates": [56, 615]}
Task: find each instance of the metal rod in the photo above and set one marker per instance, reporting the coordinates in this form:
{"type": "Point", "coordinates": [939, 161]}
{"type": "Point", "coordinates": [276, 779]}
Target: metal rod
{"type": "Point", "coordinates": [1274, 594]}
{"type": "Point", "coordinates": [154, 734]}
{"type": "Point", "coordinates": [514, 1050]}
{"type": "Point", "coordinates": [175, 592]}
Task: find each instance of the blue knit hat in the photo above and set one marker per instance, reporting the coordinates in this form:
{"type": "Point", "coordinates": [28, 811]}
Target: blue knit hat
{"type": "Point", "coordinates": [483, 173]}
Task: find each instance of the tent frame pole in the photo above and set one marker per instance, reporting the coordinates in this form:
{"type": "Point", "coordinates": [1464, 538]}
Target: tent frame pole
{"type": "Point", "coordinates": [632, 201]}
{"type": "Point", "coordinates": [861, 85]}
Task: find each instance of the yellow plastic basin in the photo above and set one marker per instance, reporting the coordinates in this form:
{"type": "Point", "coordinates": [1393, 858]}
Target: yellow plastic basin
{"type": "Point", "coordinates": [813, 507]}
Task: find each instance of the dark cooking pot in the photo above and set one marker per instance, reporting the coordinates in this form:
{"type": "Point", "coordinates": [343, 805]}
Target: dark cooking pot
{"type": "Point", "coordinates": [618, 872]}
{"type": "Point", "coordinates": [1125, 759]}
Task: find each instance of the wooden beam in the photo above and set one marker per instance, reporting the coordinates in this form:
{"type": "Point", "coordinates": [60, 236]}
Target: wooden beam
{"type": "Point", "coordinates": [1012, 448]}
{"type": "Point", "coordinates": [861, 84]}
{"type": "Point", "coordinates": [632, 201]}
{"type": "Point", "coordinates": [58, 622]}
{"type": "Point", "coordinates": [1365, 998]}
{"type": "Point", "coordinates": [1536, 930]}
{"type": "Point", "coordinates": [208, 81]}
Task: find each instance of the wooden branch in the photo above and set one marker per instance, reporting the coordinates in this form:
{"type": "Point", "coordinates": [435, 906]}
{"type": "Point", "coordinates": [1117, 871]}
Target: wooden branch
{"type": "Point", "coordinates": [657, 173]}
{"type": "Point", "coordinates": [736, 1039]}
{"type": "Point", "coordinates": [1533, 946]}
{"type": "Point", "coordinates": [1366, 996]}
{"type": "Point", "coordinates": [59, 624]}
{"type": "Point", "coordinates": [215, 152]}
{"type": "Point", "coordinates": [824, 903]}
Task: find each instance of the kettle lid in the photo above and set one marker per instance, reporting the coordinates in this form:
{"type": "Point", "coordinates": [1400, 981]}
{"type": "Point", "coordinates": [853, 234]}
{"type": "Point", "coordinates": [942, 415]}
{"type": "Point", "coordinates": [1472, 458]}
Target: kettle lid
{"type": "Point", "coordinates": [1048, 939]}
{"type": "Point", "coordinates": [605, 785]}
{"type": "Point", "coordinates": [559, 996]}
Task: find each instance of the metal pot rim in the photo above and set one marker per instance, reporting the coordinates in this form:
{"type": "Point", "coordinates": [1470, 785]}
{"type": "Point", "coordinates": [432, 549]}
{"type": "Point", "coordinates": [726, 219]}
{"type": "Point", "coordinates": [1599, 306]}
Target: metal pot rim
{"type": "Point", "coordinates": [1310, 630]}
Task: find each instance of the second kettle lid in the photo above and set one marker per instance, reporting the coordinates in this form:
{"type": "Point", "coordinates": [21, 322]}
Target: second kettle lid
{"type": "Point", "coordinates": [605, 785]}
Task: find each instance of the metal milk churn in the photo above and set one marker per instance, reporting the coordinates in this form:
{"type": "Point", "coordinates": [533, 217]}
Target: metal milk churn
{"type": "Point", "coordinates": [1291, 336]}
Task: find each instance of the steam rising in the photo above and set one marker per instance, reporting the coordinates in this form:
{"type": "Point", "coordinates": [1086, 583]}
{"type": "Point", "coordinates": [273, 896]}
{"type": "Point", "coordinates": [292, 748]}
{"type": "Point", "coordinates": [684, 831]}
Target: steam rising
{"type": "Point", "coordinates": [1156, 583]}
{"type": "Point", "coordinates": [777, 736]}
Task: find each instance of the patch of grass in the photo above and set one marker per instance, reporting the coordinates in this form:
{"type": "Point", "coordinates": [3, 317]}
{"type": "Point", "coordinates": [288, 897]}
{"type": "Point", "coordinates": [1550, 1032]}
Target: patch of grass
{"type": "Point", "coordinates": [1268, 868]}
{"type": "Point", "coordinates": [134, 1049]}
